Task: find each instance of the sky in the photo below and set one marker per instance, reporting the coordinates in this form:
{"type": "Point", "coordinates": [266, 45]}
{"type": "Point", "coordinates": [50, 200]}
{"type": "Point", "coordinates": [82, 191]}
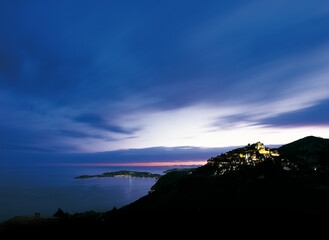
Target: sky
{"type": "Point", "coordinates": [83, 79]}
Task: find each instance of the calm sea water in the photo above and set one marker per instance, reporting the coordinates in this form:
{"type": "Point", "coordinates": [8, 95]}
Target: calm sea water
{"type": "Point", "coordinates": [44, 189]}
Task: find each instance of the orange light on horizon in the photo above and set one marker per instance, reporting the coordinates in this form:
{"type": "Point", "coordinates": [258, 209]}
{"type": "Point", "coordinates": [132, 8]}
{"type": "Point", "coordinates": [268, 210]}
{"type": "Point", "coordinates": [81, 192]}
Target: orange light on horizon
{"type": "Point", "coordinates": [136, 164]}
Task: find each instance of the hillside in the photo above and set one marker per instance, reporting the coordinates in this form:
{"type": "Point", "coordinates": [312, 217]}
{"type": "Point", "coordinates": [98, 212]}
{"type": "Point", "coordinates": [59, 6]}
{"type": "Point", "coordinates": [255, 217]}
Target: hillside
{"type": "Point", "coordinates": [250, 183]}
{"type": "Point", "coordinates": [309, 150]}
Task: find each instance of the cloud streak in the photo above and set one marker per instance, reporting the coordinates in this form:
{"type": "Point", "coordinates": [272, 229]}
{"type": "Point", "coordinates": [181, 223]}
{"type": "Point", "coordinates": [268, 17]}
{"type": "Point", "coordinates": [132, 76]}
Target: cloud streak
{"type": "Point", "coordinates": [107, 76]}
{"type": "Point", "coordinates": [97, 121]}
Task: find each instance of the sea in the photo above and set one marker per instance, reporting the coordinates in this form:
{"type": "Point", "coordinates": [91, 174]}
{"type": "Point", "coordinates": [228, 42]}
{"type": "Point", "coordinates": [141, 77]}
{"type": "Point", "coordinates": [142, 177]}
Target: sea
{"type": "Point", "coordinates": [25, 190]}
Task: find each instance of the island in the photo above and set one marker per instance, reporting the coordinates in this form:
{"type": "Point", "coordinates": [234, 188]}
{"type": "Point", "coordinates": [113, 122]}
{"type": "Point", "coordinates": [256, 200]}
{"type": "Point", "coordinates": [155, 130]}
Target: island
{"type": "Point", "coordinates": [122, 173]}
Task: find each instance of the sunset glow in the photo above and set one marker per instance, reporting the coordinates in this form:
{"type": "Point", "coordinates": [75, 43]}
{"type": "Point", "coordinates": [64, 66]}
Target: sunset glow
{"type": "Point", "coordinates": [93, 78]}
{"type": "Point", "coordinates": [136, 164]}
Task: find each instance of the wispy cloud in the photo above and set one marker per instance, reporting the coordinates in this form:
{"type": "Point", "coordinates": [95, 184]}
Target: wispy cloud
{"type": "Point", "coordinates": [97, 121]}
{"type": "Point", "coordinates": [110, 76]}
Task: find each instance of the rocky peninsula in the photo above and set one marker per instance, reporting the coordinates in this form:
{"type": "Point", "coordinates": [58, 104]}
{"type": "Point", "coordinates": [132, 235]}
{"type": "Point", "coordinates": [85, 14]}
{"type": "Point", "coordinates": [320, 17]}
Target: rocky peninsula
{"type": "Point", "coordinates": [122, 173]}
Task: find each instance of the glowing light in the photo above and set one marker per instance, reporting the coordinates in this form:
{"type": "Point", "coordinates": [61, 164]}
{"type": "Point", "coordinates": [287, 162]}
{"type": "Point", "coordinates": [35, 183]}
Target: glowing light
{"type": "Point", "coordinates": [136, 164]}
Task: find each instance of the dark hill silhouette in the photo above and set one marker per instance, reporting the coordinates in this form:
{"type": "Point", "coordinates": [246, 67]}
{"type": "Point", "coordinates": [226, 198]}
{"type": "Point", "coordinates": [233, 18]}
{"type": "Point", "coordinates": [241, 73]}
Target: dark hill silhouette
{"type": "Point", "coordinates": [268, 189]}
{"type": "Point", "coordinates": [309, 150]}
{"type": "Point", "coordinates": [273, 188]}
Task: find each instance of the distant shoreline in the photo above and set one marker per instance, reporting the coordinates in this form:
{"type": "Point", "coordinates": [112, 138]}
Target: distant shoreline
{"type": "Point", "coordinates": [121, 174]}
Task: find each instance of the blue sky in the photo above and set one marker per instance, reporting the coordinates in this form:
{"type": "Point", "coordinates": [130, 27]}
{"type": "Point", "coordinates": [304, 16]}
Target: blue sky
{"type": "Point", "coordinates": [98, 76]}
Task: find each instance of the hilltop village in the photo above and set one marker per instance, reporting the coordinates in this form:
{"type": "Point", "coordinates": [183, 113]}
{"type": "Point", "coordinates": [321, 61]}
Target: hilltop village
{"type": "Point", "coordinates": [250, 155]}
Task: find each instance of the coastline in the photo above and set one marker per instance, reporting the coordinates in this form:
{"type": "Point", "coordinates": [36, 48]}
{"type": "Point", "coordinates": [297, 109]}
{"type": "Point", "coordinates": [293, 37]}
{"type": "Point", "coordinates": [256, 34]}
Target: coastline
{"type": "Point", "coordinates": [122, 173]}
{"type": "Point", "coordinates": [44, 189]}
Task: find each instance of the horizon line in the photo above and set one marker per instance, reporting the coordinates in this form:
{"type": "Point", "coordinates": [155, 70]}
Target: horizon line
{"type": "Point", "coordinates": [134, 164]}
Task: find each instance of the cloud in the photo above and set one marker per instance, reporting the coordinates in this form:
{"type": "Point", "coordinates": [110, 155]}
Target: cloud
{"type": "Point", "coordinates": [155, 154]}
{"type": "Point", "coordinates": [21, 139]}
{"type": "Point", "coordinates": [25, 148]}
{"type": "Point", "coordinates": [311, 116]}
{"type": "Point", "coordinates": [109, 76]}
{"type": "Point", "coordinates": [96, 121]}
{"type": "Point", "coordinates": [84, 135]}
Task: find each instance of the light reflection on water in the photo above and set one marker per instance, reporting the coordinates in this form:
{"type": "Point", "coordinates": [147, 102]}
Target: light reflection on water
{"type": "Point", "coordinates": [25, 191]}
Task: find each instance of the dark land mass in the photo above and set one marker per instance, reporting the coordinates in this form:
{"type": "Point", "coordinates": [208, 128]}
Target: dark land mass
{"type": "Point", "coordinates": [253, 187]}
{"type": "Point", "coordinates": [179, 169]}
{"type": "Point", "coordinates": [121, 174]}
{"type": "Point", "coordinates": [308, 152]}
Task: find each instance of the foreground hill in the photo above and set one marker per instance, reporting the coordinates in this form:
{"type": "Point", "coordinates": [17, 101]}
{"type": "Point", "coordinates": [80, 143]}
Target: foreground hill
{"type": "Point", "coordinates": [252, 183]}
{"type": "Point", "coordinates": [308, 151]}
{"type": "Point", "coordinates": [253, 178]}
